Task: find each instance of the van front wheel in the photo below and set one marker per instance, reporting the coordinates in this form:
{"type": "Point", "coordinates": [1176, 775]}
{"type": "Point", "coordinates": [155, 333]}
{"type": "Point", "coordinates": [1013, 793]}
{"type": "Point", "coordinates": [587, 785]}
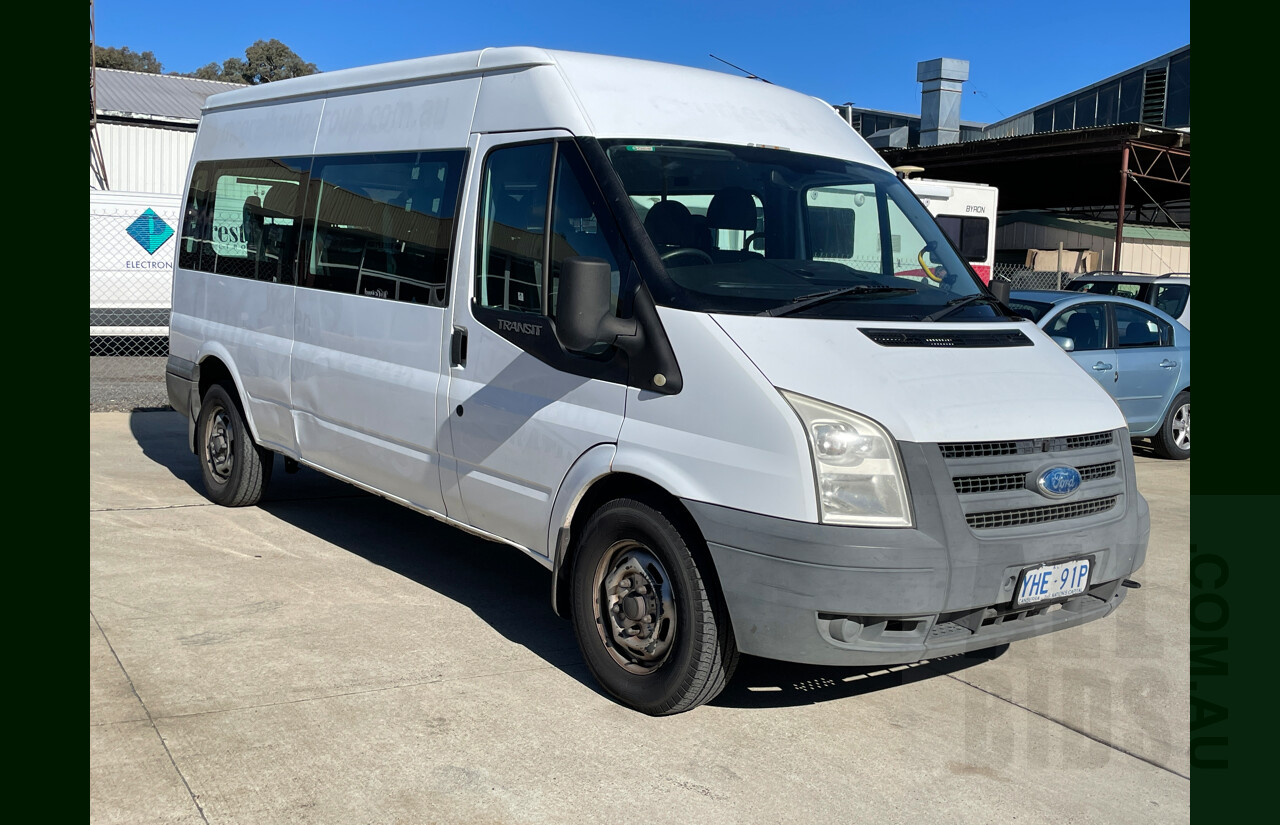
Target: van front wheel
{"type": "Point", "coordinates": [235, 469]}
{"type": "Point", "coordinates": [649, 622]}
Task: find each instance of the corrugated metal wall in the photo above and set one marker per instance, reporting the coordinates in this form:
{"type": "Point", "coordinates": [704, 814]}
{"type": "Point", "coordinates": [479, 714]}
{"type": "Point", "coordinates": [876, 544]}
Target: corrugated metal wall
{"type": "Point", "coordinates": [143, 159]}
{"type": "Point", "coordinates": [1156, 257]}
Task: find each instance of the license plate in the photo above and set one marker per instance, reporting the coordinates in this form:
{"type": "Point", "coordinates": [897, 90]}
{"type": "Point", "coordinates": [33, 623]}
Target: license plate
{"type": "Point", "coordinates": [1052, 581]}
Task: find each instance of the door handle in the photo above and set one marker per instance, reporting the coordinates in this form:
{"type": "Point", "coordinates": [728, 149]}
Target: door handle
{"type": "Point", "coordinates": [1101, 367]}
{"type": "Point", "coordinates": [1167, 364]}
{"type": "Point", "coordinates": [458, 347]}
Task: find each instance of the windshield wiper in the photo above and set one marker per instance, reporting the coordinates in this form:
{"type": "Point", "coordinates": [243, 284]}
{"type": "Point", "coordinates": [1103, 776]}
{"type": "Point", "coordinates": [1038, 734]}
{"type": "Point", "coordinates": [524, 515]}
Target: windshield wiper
{"type": "Point", "coordinates": [960, 303]}
{"type": "Point", "coordinates": [806, 301]}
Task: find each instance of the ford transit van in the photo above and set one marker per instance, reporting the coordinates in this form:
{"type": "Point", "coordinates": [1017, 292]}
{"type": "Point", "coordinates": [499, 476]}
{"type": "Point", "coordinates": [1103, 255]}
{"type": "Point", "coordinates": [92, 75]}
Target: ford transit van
{"type": "Point", "coordinates": [682, 337]}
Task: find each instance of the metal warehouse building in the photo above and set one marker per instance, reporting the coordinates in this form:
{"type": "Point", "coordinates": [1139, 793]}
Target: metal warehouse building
{"type": "Point", "coordinates": [143, 128]}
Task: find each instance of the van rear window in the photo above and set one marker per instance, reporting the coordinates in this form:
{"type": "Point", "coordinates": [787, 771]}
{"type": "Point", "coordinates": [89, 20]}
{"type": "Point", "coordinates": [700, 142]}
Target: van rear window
{"type": "Point", "coordinates": [242, 218]}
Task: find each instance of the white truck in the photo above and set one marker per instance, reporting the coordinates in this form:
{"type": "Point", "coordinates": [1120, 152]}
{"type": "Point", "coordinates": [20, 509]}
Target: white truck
{"type": "Point", "coordinates": [131, 251]}
{"type": "Point", "coordinates": [965, 211]}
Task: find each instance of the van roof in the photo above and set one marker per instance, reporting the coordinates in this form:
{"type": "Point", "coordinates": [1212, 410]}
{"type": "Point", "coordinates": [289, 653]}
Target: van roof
{"type": "Point", "coordinates": [522, 88]}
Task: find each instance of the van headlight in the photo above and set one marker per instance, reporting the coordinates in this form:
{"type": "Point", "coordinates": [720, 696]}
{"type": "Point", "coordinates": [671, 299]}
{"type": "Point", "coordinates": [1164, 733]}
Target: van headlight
{"type": "Point", "coordinates": [855, 464]}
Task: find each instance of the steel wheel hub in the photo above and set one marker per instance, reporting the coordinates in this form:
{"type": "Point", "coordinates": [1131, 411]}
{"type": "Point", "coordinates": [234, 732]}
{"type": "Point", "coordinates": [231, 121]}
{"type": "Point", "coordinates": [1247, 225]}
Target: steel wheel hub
{"type": "Point", "coordinates": [218, 445]}
{"type": "Point", "coordinates": [635, 613]}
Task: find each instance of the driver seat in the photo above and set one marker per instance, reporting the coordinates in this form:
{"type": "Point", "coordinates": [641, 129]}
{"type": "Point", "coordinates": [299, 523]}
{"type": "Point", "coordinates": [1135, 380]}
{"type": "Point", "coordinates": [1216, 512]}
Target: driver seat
{"type": "Point", "coordinates": [670, 226]}
{"type": "Point", "coordinates": [733, 208]}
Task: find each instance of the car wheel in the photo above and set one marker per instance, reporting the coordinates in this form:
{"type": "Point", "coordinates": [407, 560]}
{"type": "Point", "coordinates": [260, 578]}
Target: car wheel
{"type": "Point", "coordinates": [235, 469]}
{"type": "Point", "coordinates": [649, 619]}
{"type": "Point", "coordinates": [1174, 439]}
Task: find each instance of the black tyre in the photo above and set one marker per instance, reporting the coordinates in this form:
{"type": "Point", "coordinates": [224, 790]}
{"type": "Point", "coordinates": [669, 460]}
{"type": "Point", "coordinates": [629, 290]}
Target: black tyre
{"type": "Point", "coordinates": [1174, 439]}
{"type": "Point", "coordinates": [236, 470]}
{"type": "Point", "coordinates": [650, 621]}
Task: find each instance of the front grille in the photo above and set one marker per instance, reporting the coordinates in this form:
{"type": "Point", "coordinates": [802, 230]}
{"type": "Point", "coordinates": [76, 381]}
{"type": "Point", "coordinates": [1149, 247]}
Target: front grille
{"type": "Point", "coordinates": [1079, 442]}
{"type": "Point", "coordinates": [985, 338]}
{"type": "Point", "coordinates": [1039, 515]}
{"type": "Point", "coordinates": [990, 484]}
{"type": "Point", "coordinates": [1030, 446]}
{"type": "Point", "coordinates": [1093, 472]}
{"type": "Point", "coordinates": [979, 448]}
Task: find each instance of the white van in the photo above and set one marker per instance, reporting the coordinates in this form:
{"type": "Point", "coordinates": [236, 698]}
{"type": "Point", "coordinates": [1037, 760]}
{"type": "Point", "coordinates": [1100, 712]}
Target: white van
{"type": "Point", "coordinates": [967, 214]}
{"type": "Point", "coordinates": [682, 337]}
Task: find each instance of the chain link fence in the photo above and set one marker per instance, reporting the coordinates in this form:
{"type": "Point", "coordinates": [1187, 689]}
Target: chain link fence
{"type": "Point", "coordinates": [1021, 277]}
{"type": "Point", "coordinates": [131, 250]}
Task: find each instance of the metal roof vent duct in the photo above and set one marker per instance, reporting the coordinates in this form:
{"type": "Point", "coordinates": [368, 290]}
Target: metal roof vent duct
{"type": "Point", "coordinates": [940, 99]}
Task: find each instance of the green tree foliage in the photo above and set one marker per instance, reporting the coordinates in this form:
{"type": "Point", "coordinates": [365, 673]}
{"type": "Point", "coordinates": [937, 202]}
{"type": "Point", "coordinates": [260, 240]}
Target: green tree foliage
{"type": "Point", "coordinates": [123, 58]}
{"type": "Point", "coordinates": [265, 61]}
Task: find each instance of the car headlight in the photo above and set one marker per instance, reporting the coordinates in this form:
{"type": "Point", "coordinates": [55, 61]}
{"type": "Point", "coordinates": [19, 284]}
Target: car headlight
{"type": "Point", "coordinates": [855, 464]}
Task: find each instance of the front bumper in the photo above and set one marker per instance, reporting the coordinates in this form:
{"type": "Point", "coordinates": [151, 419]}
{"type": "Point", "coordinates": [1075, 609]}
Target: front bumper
{"type": "Point", "coordinates": [824, 594]}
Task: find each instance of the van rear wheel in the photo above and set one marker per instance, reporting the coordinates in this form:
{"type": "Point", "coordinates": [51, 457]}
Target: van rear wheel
{"type": "Point", "coordinates": [235, 469]}
{"type": "Point", "coordinates": [649, 620]}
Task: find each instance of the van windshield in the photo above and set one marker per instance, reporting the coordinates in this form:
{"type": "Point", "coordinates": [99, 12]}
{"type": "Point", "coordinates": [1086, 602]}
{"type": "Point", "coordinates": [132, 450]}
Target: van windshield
{"type": "Point", "coordinates": [752, 230]}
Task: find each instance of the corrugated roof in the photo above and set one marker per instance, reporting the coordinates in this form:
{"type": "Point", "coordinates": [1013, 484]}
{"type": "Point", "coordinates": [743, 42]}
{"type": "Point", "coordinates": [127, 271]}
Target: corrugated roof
{"type": "Point", "coordinates": [1105, 229]}
{"type": "Point", "coordinates": [144, 96]}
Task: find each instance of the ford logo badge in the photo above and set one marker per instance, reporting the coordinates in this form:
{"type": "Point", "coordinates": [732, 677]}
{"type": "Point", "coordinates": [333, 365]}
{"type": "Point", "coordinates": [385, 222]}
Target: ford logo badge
{"type": "Point", "coordinates": [1058, 482]}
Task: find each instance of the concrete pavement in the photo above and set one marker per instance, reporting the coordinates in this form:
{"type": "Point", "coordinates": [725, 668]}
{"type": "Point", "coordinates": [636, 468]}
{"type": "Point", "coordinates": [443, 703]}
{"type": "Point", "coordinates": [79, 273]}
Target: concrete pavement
{"type": "Point", "coordinates": [330, 657]}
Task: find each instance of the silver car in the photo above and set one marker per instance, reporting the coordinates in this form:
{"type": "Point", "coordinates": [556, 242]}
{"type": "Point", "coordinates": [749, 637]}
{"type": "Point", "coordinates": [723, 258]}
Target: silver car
{"type": "Point", "coordinates": [1170, 293]}
{"type": "Point", "coordinates": [1139, 354]}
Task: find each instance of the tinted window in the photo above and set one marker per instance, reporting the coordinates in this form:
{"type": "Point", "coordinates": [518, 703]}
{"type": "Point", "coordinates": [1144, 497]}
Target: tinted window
{"type": "Point", "coordinates": [384, 225]}
{"type": "Point", "coordinates": [1171, 298]}
{"type": "Point", "coordinates": [1086, 109]}
{"type": "Point", "coordinates": [1043, 120]}
{"type": "Point", "coordinates": [512, 228]}
{"type": "Point", "coordinates": [242, 218]}
{"type": "Point", "coordinates": [1064, 115]}
{"type": "Point", "coordinates": [1033, 310]}
{"type": "Point", "coordinates": [1177, 107]}
{"type": "Point", "coordinates": [1108, 288]}
{"type": "Point", "coordinates": [1130, 98]}
{"type": "Point", "coordinates": [1086, 324]}
{"type": "Point", "coordinates": [1136, 328]}
{"type": "Point", "coordinates": [1108, 104]}
{"type": "Point", "coordinates": [968, 234]}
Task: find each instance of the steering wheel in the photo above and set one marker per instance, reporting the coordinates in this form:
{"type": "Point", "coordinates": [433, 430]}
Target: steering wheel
{"type": "Point", "coordinates": [691, 251]}
{"type": "Point", "coordinates": [746, 245]}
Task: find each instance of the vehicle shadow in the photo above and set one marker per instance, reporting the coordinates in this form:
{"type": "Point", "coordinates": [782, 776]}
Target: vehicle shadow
{"type": "Point", "coordinates": [162, 435]}
{"type": "Point", "coordinates": [501, 585]}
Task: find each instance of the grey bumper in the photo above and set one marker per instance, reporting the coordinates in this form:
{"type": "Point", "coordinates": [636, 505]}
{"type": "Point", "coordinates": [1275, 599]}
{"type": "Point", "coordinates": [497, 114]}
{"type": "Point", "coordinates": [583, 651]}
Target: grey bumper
{"type": "Point", "coordinates": [823, 594]}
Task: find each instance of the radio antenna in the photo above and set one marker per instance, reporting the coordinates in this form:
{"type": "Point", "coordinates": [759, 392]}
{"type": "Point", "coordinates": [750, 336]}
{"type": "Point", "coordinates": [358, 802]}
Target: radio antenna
{"type": "Point", "coordinates": [749, 75]}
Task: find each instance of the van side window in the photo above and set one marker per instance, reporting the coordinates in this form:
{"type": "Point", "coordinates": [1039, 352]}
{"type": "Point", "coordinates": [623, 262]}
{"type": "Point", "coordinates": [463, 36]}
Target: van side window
{"type": "Point", "coordinates": [383, 225]}
{"type": "Point", "coordinates": [242, 218]}
{"type": "Point", "coordinates": [512, 228]}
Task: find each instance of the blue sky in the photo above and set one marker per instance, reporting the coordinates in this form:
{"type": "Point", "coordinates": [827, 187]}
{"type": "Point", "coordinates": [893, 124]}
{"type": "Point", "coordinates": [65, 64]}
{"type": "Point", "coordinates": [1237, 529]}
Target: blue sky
{"type": "Point", "coordinates": [1020, 52]}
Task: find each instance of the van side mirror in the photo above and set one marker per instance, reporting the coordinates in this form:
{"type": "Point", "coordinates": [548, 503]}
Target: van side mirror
{"type": "Point", "coordinates": [584, 317]}
{"type": "Point", "coordinates": [999, 290]}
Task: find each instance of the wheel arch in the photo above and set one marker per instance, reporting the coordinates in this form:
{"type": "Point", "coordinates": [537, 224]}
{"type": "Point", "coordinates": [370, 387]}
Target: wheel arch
{"type": "Point", "coordinates": [606, 488]}
{"type": "Point", "coordinates": [215, 366]}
